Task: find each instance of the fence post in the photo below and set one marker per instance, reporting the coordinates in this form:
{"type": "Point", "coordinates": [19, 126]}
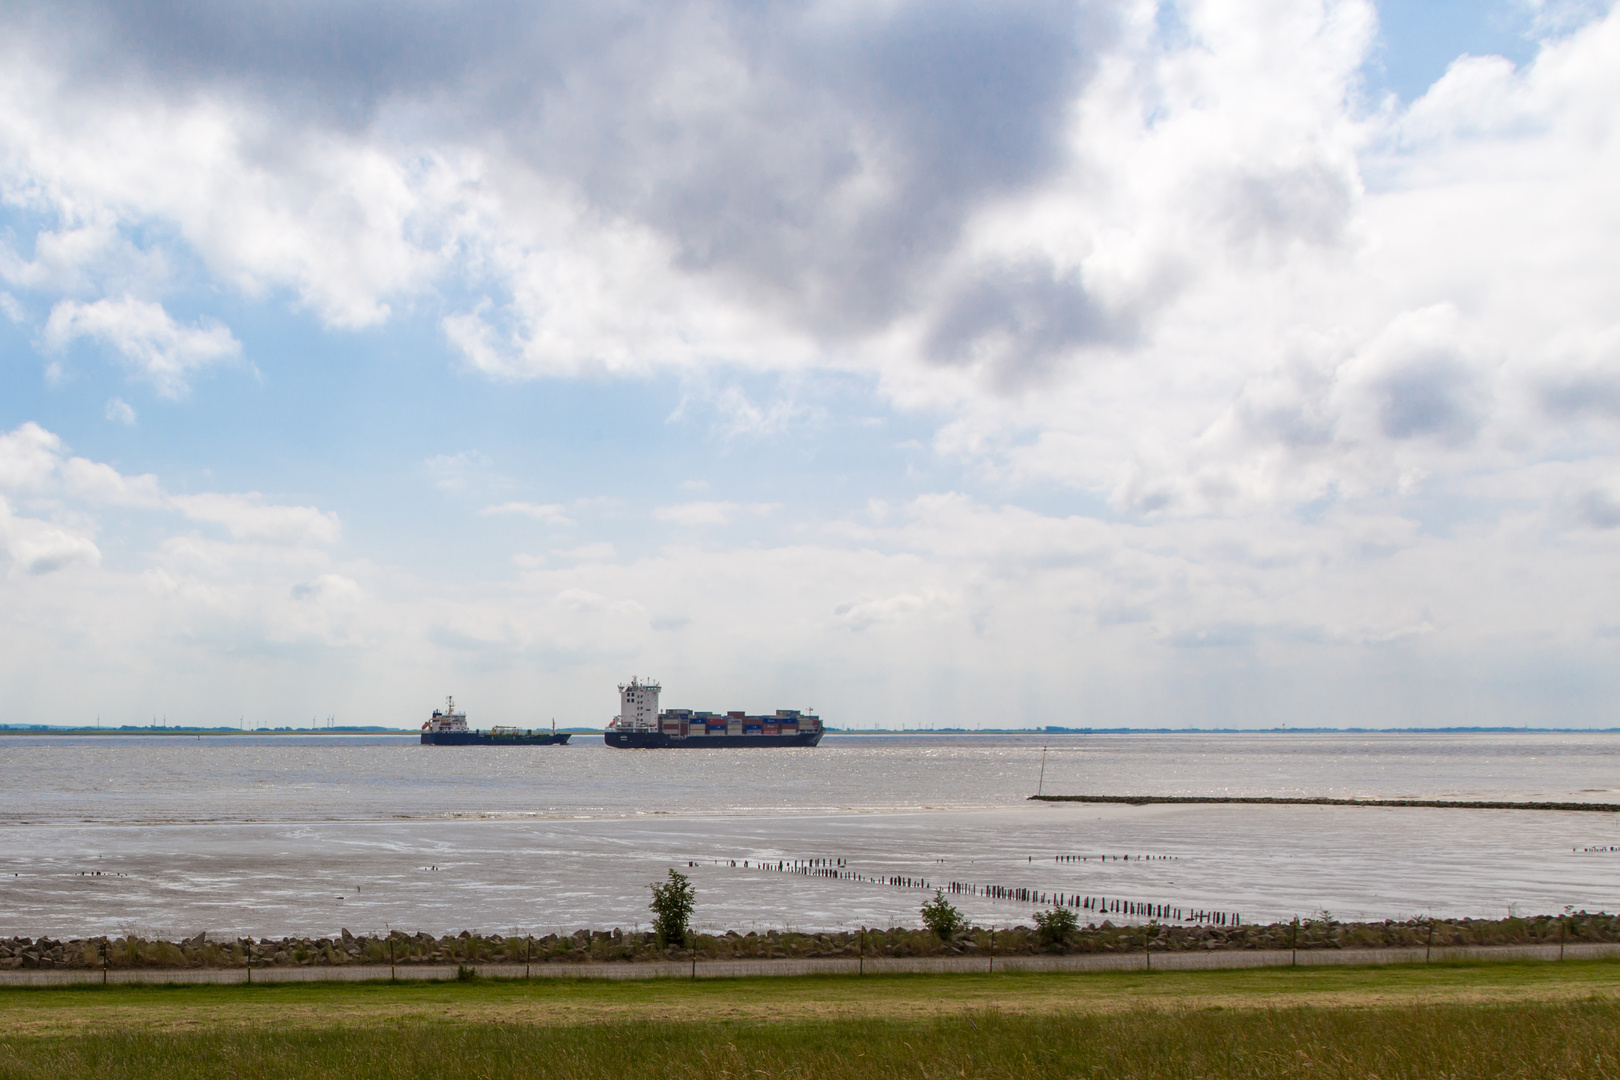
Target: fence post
{"type": "Point", "coordinates": [1293, 944]}
{"type": "Point", "coordinates": [1429, 946]}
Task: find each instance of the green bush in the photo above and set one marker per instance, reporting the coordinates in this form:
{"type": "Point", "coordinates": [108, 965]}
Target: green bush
{"type": "Point", "coordinates": [672, 903]}
{"type": "Point", "coordinates": [940, 916]}
{"type": "Point", "coordinates": [1057, 925]}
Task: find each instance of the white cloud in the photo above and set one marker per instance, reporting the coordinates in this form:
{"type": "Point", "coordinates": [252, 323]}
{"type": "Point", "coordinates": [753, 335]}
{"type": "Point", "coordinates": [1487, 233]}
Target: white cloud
{"type": "Point", "coordinates": [100, 484]}
{"type": "Point", "coordinates": [601, 551]}
{"type": "Point", "coordinates": [456, 472]}
{"type": "Point", "coordinates": [588, 602]}
{"type": "Point", "coordinates": [931, 600]}
{"type": "Point", "coordinates": [33, 463]}
{"type": "Point", "coordinates": [694, 514]}
{"type": "Point", "coordinates": [328, 589]}
{"type": "Point", "coordinates": [119, 411]}
{"type": "Point", "coordinates": [250, 517]}
{"type": "Point", "coordinates": [29, 456]}
{"type": "Point", "coordinates": [327, 216]}
{"type": "Point", "coordinates": [551, 513]}
{"type": "Point", "coordinates": [1206, 201]}
{"type": "Point", "coordinates": [740, 416]}
{"type": "Point", "coordinates": [1453, 320]}
{"type": "Point", "coordinates": [156, 347]}
{"type": "Point", "coordinates": [38, 547]}
{"type": "Point", "coordinates": [861, 618]}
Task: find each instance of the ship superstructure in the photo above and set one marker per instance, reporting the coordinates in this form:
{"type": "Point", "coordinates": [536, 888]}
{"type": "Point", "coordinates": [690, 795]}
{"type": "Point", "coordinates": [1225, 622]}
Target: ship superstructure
{"type": "Point", "coordinates": [641, 724]}
{"type": "Point", "coordinates": [446, 721]}
{"type": "Point", "coordinates": [447, 727]}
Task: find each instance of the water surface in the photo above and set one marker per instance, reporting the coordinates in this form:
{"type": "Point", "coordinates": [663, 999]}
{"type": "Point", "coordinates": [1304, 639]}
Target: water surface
{"type": "Point", "coordinates": [307, 833]}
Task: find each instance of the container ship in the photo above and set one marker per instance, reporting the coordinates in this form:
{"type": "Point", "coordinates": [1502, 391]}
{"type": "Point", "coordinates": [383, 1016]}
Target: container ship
{"type": "Point", "coordinates": [449, 728]}
{"type": "Point", "coordinates": [641, 725]}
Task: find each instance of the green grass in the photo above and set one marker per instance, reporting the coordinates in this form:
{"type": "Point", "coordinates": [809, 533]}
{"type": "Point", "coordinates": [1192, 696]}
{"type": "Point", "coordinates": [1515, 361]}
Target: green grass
{"type": "Point", "coordinates": [1541, 1021]}
{"type": "Point", "coordinates": [1572, 1040]}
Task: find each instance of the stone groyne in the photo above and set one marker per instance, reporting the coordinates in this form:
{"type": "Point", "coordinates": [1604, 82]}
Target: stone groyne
{"type": "Point", "coordinates": [1303, 800]}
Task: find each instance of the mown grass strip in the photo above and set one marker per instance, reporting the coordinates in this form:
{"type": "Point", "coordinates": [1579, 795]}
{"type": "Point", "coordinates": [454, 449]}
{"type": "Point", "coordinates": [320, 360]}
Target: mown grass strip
{"type": "Point", "coordinates": [62, 1011]}
{"type": "Point", "coordinates": [1574, 1041]}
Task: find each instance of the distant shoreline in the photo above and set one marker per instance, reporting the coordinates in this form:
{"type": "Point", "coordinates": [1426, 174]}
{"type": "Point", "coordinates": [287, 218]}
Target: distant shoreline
{"type": "Point", "coordinates": [1229, 731]}
{"type": "Point", "coordinates": [191, 732]}
{"type": "Point", "coordinates": [45, 729]}
{"type": "Point", "coordinates": [1269, 800]}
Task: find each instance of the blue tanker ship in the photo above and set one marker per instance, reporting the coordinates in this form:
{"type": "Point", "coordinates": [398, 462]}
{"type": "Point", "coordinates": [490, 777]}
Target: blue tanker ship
{"type": "Point", "coordinates": [449, 728]}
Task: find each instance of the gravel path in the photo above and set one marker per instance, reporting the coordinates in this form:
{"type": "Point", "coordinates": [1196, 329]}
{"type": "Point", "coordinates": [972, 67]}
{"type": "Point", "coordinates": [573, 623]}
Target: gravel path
{"type": "Point", "coordinates": [1180, 961]}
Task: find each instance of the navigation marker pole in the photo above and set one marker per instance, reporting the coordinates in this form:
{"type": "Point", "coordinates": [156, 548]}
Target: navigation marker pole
{"type": "Point", "coordinates": [1041, 785]}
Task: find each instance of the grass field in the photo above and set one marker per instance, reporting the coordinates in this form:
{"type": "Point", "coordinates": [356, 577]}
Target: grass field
{"type": "Point", "coordinates": [1488, 1020]}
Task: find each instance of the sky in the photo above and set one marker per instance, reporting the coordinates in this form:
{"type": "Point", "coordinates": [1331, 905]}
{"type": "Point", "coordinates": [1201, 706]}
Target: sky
{"type": "Point", "coordinates": [1223, 363]}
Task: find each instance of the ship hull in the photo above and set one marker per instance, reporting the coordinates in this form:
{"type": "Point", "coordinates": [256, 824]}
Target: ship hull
{"type": "Point", "coordinates": [657, 740]}
{"type": "Point", "coordinates": [484, 738]}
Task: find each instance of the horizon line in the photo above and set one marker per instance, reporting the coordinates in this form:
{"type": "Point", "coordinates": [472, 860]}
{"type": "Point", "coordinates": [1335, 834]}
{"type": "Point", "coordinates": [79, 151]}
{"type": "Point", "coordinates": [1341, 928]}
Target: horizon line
{"type": "Point", "coordinates": [1047, 730]}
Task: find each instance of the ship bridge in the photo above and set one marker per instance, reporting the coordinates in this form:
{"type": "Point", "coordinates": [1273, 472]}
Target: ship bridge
{"type": "Point", "coordinates": [638, 706]}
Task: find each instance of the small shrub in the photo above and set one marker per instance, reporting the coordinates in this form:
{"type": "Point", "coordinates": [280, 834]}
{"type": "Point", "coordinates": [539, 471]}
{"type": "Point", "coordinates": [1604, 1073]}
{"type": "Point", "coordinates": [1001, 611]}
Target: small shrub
{"type": "Point", "coordinates": [941, 916]}
{"type": "Point", "coordinates": [1057, 925]}
{"type": "Point", "coordinates": [672, 903]}
{"type": "Point", "coordinates": [464, 973]}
